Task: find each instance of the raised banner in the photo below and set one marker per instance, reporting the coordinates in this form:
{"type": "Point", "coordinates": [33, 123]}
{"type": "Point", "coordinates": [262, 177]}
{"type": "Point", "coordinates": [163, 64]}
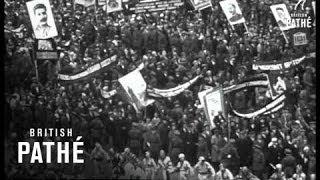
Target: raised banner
{"type": "Point", "coordinates": [201, 4]}
{"type": "Point", "coordinates": [172, 91]}
{"type": "Point", "coordinates": [88, 71]}
{"type": "Point", "coordinates": [156, 5]}
{"type": "Point", "coordinates": [113, 5]}
{"type": "Point", "coordinates": [271, 66]}
{"type": "Point", "coordinates": [232, 11]}
{"type": "Point", "coordinates": [85, 3]}
{"type": "Point", "coordinates": [214, 104]}
{"type": "Point", "coordinates": [300, 38]}
{"type": "Point", "coordinates": [41, 18]}
{"type": "Point", "coordinates": [135, 88]}
{"type": "Point", "coordinates": [282, 16]}
{"type": "Point", "coordinates": [202, 94]}
{"type": "Point", "coordinates": [269, 107]}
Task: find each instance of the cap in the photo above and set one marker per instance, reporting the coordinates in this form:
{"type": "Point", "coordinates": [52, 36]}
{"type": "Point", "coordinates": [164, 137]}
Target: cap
{"type": "Point", "coordinates": [201, 158]}
{"type": "Point", "coordinates": [278, 166]}
{"type": "Point", "coordinates": [181, 155]}
{"type": "Point", "coordinates": [274, 139]}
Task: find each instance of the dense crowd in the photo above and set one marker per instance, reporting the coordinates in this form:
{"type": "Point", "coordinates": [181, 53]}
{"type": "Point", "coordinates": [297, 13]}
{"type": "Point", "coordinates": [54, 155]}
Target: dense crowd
{"type": "Point", "coordinates": [172, 134]}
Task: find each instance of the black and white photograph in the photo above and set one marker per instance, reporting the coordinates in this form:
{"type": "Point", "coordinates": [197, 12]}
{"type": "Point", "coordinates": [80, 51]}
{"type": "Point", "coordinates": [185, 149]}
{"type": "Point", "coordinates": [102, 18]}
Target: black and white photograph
{"type": "Point", "coordinates": [232, 11]}
{"type": "Point", "coordinates": [282, 16]}
{"type": "Point", "coordinates": [160, 89]}
{"type": "Point", "coordinates": [42, 19]}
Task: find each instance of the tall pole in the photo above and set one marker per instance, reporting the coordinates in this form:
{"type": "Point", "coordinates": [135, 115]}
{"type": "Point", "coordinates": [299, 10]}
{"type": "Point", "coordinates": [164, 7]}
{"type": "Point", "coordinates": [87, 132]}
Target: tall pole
{"type": "Point", "coordinates": [35, 62]}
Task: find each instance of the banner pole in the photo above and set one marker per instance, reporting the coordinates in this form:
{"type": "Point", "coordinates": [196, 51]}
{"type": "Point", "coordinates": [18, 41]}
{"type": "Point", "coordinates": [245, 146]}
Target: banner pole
{"type": "Point", "coordinates": [35, 63]}
{"type": "Point", "coordinates": [229, 128]}
{"type": "Point", "coordinates": [285, 37]}
{"type": "Point", "coordinates": [245, 25]}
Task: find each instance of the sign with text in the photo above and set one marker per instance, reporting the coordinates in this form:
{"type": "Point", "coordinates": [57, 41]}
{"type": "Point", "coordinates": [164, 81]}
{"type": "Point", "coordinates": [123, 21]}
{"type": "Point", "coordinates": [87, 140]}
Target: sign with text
{"type": "Point", "coordinates": [300, 38]}
{"type": "Point", "coordinates": [156, 5]}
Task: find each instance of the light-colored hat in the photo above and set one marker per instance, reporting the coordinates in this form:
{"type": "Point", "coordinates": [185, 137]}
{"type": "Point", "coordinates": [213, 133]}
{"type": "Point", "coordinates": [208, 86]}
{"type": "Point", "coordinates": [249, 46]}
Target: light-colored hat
{"type": "Point", "coordinates": [181, 155]}
{"type": "Point", "coordinates": [201, 158]}
{"type": "Point", "coordinates": [278, 166]}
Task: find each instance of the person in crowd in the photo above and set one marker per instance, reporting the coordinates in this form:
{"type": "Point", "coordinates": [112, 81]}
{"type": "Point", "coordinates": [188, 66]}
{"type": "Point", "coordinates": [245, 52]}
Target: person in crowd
{"type": "Point", "coordinates": [165, 165]}
{"type": "Point", "coordinates": [204, 169]}
{"type": "Point", "coordinates": [224, 173]}
{"type": "Point", "coordinates": [183, 168]}
{"type": "Point", "coordinates": [149, 165]}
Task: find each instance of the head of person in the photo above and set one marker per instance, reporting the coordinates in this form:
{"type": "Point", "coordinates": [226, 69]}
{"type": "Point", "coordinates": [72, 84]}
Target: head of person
{"type": "Point", "coordinates": [232, 9]}
{"type": "Point", "coordinates": [147, 154]}
{"type": "Point", "coordinates": [40, 12]}
{"type": "Point", "coordinates": [162, 153]}
{"type": "Point", "coordinates": [181, 157]}
{"type": "Point", "coordinates": [201, 159]}
{"type": "Point", "coordinates": [280, 13]}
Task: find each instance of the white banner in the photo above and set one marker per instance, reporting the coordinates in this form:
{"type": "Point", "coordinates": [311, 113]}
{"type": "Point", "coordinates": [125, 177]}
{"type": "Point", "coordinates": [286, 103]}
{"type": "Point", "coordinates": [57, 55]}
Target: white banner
{"type": "Point", "coordinates": [42, 20]}
{"type": "Point", "coordinates": [280, 99]}
{"type": "Point", "coordinates": [89, 71]}
{"type": "Point", "coordinates": [244, 85]}
{"type": "Point", "coordinates": [300, 38]}
{"type": "Point", "coordinates": [172, 91]}
{"type": "Point", "coordinates": [201, 4]}
{"type": "Point", "coordinates": [113, 5]}
{"type": "Point", "coordinates": [285, 65]}
{"type": "Point", "coordinates": [232, 11]}
{"type": "Point", "coordinates": [135, 87]}
{"type": "Point", "coordinates": [282, 16]}
{"type": "Point", "coordinates": [275, 109]}
{"type": "Point", "coordinates": [85, 3]}
{"type": "Point", "coordinates": [214, 103]}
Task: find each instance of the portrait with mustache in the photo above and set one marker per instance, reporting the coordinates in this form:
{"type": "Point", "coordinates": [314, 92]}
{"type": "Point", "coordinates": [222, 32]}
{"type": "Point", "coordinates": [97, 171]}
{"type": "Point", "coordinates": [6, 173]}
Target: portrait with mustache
{"type": "Point", "coordinates": [43, 28]}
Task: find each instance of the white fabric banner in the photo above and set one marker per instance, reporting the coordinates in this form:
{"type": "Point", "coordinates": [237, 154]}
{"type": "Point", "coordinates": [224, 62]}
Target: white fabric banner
{"type": "Point", "coordinates": [232, 11]}
{"type": "Point", "coordinates": [42, 20]}
{"type": "Point", "coordinates": [214, 103]}
{"type": "Point", "coordinates": [282, 16]}
{"type": "Point", "coordinates": [285, 65]}
{"type": "Point", "coordinates": [244, 85]}
{"type": "Point", "coordinates": [201, 4]}
{"type": "Point", "coordinates": [88, 71]}
{"type": "Point", "coordinates": [135, 87]}
{"type": "Point", "coordinates": [172, 91]}
{"type": "Point", "coordinates": [85, 3]}
{"type": "Point", "coordinates": [113, 5]}
{"type": "Point", "coordinates": [280, 99]}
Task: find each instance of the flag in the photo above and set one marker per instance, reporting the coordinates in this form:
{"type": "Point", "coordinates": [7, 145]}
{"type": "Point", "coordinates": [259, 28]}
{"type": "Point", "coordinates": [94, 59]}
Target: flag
{"type": "Point", "coordinates": [214, 103]}
{"type": "Point", "coordinates": [232, 11]}
{"type": "Point", "coordinates": [282, 16]}
{"type": "Point", "coordinates": [135, 88]}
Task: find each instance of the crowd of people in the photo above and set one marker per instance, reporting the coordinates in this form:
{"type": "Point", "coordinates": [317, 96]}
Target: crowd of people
{"type": "Point", "coordinates": [171, 138]}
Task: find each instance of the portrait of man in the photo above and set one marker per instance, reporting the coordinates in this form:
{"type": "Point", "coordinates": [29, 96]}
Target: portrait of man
{"type": "Point", "coordinates": [113, 3]}
{"type": "Point", "coordinates": [232, 11]}
{"type": "Point", "coordinates": [42, 19]}
{"type": "Point", "coordinates": [282, 16]}
{"type": "Point", "coordinates": [235, 16]}
{"type": "Point", "coordinates": [283, 20]}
